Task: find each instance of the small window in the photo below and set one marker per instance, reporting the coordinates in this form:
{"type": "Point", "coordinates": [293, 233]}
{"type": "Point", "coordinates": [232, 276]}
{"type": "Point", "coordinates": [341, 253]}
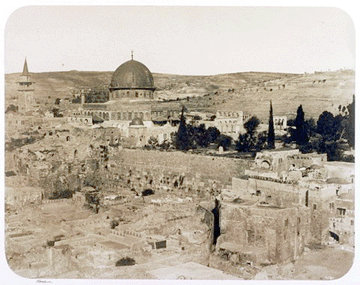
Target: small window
{"type": "Point", "coordinates": [341, 211]}
{"type": "Point", "coordinates": [314, 206]}
{"type": "Point", "coordinates": [286, 222]}
{"type": "Point", "coordinates": [258, 193]}
{"type": "Point", "coordinates": [352, 222]}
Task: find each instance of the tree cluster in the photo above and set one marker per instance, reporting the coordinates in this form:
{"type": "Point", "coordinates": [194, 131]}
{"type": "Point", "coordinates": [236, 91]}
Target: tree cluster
{"type": "Point", "coordinates": [330, 134]}
{"type": "Point", "coordinates": [251, 140]}
{"type": "Point", "coordinates": [153, 143]}
{"type": "Point", "coordinates": [195, 137]}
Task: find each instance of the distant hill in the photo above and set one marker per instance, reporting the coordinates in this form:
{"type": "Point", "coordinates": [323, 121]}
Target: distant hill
{"type": "Point", "coordinates": [250, 92]}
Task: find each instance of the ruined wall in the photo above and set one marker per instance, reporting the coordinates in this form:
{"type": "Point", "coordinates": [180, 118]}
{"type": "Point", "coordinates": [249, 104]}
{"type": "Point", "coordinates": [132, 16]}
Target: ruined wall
{"type": "Point", "coordinates": [265, 190]}
{"type": "Point", "coordinates": [280, 233]}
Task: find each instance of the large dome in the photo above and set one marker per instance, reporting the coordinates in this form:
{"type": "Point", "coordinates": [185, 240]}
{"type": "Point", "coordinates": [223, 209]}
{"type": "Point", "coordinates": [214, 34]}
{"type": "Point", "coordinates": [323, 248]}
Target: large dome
{"type": "Point", "coordinates": [132, 75]}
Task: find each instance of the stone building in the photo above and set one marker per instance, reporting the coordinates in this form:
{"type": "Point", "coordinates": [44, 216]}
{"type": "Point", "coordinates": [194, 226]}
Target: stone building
{"type": "Point", "coordinates": [288, 178]}
{"type": "Point", "coordinates": [342, 224]}
{"type": "Point", "coordinates": [228, 123]}
{"type": "Point", "coordinates": [280, 123]}
{"type": "Point", "coordinates": [26, 91]}
{"type": "Point", "coordinates": [132, 107]}
{"type": "Point", "coordinates": [256, 233]}
{"type": "Point", "coordinates": [131, 95]}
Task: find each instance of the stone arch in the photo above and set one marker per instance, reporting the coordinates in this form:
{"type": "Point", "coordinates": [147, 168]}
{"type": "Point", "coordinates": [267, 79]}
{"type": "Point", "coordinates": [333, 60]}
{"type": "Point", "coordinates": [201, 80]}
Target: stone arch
{"type": "Point", "coordinates": [265, 164]}
{"type": "Point", "coordinates": [147, 116]}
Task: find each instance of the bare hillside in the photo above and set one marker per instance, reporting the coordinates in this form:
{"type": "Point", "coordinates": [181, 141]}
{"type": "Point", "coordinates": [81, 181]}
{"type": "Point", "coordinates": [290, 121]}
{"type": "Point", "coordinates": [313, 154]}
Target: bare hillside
{"type": "Point", "coordinates": [247, 91]}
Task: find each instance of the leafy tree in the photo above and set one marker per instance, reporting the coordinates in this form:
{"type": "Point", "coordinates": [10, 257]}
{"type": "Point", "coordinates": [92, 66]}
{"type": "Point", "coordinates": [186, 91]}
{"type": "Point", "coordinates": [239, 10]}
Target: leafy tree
{"type": "Point", "coordinates": [224, 141]}
{"type": "Point", "coordinates": [196, 135]}
{"type": "Point", "coordinates": [212, 118]}
{"type": "Point", "coordinates": [76, 100]}
{"type": "Point", "coordinates": [212, 134]}
{"type": "Point", "coordinates": [251, 125]}
{"type": "Point", "coordinates": [126, 261]}
{"type": "Point", "coordinates": [310, 126]}
{"type": "Point", "coordinates": [249, 141]}
{"type": "Point", "coordinates": [350, 127]}
{"type": "Point", "coordinates": [153, 143]}
{"type": "Point", "coordinates": [325, 125]}
{"type": "Point", "coordinates": [114, 224]}
{"type": "Point", "coordinates": [271, 131]}
{"type": "Point", "coordinates": [244, 143]}
{"type": "Point", "coordinates": [165, 145]}
{"type": "Point", "coordinates": [261, 141]}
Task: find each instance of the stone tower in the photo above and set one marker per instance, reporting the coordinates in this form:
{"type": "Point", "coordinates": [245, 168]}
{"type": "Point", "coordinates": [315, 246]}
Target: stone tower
{"type": "Point", "coordinates": [26, 90]}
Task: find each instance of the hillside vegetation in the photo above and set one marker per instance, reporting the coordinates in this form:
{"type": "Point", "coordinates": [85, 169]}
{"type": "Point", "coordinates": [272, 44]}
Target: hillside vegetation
{"type": "Point", "coordinates": [249, 92]}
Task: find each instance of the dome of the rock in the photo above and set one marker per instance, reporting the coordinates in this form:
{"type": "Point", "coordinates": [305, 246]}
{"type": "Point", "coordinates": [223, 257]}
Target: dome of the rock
{"type": "Point", "coordinates": [132, 75]}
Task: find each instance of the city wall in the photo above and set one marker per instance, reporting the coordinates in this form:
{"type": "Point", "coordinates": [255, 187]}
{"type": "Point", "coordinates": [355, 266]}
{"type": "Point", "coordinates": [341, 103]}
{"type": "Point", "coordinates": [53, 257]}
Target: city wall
{"type": "Point", "coordinates": [193, 165]}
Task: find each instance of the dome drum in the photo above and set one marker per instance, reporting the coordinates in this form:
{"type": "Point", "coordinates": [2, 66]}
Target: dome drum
{"type": "Point", "coordinates": [131, 93]}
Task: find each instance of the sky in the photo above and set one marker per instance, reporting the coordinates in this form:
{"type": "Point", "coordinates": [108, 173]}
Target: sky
{"type": "Point", "coordinates": [180, 40]}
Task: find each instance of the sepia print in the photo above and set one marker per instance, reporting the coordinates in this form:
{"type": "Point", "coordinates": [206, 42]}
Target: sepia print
{"type": "Point", "coordinates": [179, 143]}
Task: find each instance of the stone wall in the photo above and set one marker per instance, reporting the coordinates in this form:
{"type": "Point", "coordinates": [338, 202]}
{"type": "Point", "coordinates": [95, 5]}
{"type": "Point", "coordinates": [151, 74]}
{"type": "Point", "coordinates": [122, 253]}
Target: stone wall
{"type": "Point", "coordinates": [208, 168]}
{"type": "Point", "coordinates": [280, 234]}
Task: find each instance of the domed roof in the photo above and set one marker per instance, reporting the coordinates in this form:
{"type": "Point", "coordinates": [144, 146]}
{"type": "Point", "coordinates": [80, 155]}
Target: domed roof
{"type": "Point", "coordinates": [132, 75]}
{"type": "Point", "coordinates": [136, 122]}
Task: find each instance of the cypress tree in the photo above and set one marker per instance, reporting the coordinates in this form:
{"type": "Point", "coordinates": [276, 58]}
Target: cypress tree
{"type": "Point", "coordinates": [271, 132]}
{"type": "Point", "coordinates": [182, 137]}
{"type": "Point", "coordinates": [301, 136]}
{"type": "Point", "coordinates": [350, 128]}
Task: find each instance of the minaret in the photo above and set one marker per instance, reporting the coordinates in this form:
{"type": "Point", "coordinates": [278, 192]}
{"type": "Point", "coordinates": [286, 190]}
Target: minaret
{"type": "Point", "coordinates": [26, 90]}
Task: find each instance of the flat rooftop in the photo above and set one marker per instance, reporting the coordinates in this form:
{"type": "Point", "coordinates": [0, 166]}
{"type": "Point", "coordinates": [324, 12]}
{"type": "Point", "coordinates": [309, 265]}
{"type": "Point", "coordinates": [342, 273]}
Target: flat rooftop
{"type": "Point", "coordinates": [113, 245]}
